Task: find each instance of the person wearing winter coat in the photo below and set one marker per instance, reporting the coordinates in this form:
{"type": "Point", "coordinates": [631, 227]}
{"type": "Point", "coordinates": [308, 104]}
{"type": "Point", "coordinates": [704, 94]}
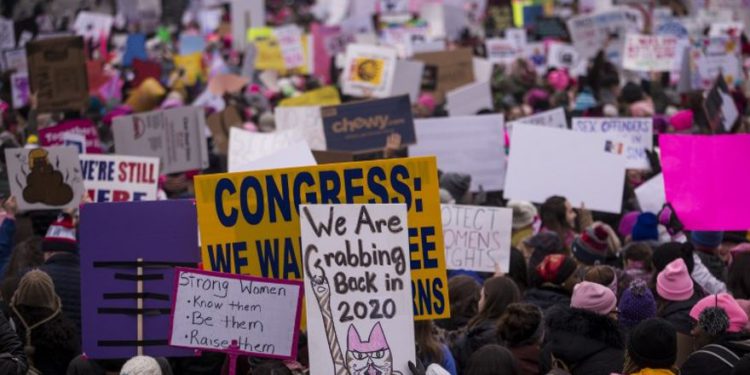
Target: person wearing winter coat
{"type": "Point", "coordinates": [12, 358]}
{"type": "Point", "coordinates": [720, 336]}
{"type": "Point", "coordinates": [552, 282]}
{"type": "Point", "coordinates": [676, 294]}
{"type": "Point", "coordinates": [652, 349]}
{"type": "Point", "coordinates": [521, 329]}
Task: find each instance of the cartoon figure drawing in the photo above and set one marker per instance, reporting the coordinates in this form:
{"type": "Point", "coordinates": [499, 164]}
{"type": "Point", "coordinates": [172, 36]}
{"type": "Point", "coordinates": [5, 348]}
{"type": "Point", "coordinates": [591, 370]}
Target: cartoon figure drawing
{"type": "Point", "coordinates": [371, 357]}
{"type": "Point", "coordinates": [44, 184]}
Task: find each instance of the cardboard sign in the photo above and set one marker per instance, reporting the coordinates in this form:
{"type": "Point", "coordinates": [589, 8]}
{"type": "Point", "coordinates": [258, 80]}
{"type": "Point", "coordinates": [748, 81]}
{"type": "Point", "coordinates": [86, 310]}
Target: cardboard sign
{"type": "Point", "coordinates": [554, 118]}
{"type": "Point", "coordinates": [546, 161]}
{"type": "Point", "coordinates": [648, 53]}
{"type": "Point", "coordinates": [475, 147]}
{"type": "Point", "coordinates": [454, 69]}
{"type": "Point", "coordinates": [635, 133]}
{"type": "Point", "coordinates": [7, 34]}
{"type": "Point", "coordinates": [307, 119]}
{"type": "Point", "coordinates": [93, 26]}
{"type": "Point", "coordinates": [54, 135]}
{"type": "Point", "coordinates": [44, 178]}
{"type": "Point", "coordinates": [57, 73]}
{"type": "Point", "coordinates": [366, 125]}
{"type": "Point", "coordinates": [176, 136]}
{"type": "Point", "coordinates": [19, 86]}
{"type": "Point", "coordinates": [327, 95]}
{"type": "Point", "coordinates": [720, 107]}
{"type": "Point", "coordinates": [357, 282]}
{"type": "Point", "coordinates": [250, 222]}
{"type": "Point", "coordinates": [706, 200]}
{"type": "Point", "coordinates": [502, 51]}
{"type": "Point", "coordinates": [120, 241]}
{"type": "Point", "coordinates": [368, 71]}
{"type": "Point", "coordinates": [712, 56]}
{"type": "Point", "coordinates": [212, 310]}
{"type": "Point", "coordinates": [650, 194]}
{"type": "Point", "coordinates": [114, 178]}
{"type": "Point", "coordinates": [589, 32]}
{"type": "Point", "coordinates": [470, 99]}
{"type": "Point", "coordinates": [246, 146]}
{"type": "Point", "coordinates": [477, 238]}
{"type": "Point", "coordinates": [219, 123]}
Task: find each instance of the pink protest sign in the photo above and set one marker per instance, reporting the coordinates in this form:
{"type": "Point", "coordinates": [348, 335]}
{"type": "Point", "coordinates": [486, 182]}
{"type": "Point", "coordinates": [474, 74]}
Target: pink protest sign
{"type": "Point", "coordinates": [53, 136]}
{"type": "Point", "coordinates": [704, 182]}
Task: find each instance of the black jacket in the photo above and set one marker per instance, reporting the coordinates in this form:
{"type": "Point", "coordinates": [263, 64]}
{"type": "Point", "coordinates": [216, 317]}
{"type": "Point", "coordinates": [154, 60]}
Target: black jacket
{"type": "Point", "coordinates": [55, 343]}
{"type": "Point", "coordinates": [12, 356]}
{"type": "Point", "coordinates": [588, 343]}
{"type": "Point", "coordinates": [546, 296]}
{"type": "Point", "coordinates": [718, 358]}
{"type": "Point", "coordinates": [65, 271]}
{"type": "Point", "coordinates": [678, 313]}
{"type": "Point", "coordinates": [470, 340]}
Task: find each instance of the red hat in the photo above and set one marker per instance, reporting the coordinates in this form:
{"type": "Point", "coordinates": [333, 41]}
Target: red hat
{"type": "Point", "coordinates": [61, 235]}
{"type": "Point", "coordinates": [556, 268]}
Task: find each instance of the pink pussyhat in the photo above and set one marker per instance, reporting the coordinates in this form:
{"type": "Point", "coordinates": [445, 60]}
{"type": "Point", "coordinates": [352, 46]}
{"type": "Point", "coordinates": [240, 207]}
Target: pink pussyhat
{"type": "Point", "coordinates": [559, 79]}
{"type": "Point", "coordinates": [682, 120]}
{"type": "Point", "coordinates": [593, 297]}
{"type": "Point", "coordinates": [737, 316]}
{"type": "Point", "coordinates": [674, 282]}
{"type": "Point", "coordinates": [745, 305]}
{"type": "Point", "coordinates": [427, 101]}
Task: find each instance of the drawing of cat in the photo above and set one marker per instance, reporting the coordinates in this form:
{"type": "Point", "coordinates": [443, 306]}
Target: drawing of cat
{"type": "Point", "coordinates": [371, 357]}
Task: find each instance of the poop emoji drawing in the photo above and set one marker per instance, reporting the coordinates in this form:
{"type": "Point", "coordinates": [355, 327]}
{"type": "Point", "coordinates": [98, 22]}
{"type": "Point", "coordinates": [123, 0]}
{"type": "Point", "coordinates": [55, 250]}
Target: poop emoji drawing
{"type": "Point", "coordinates": [45, 184]}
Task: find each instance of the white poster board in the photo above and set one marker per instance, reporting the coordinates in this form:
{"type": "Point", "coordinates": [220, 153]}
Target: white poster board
{"type": "Point", "coordinates": [368, 70]}
{"type": "Point", "coordinates": [298, 154]}
{"type": "Point", "coordinates": [44, 178]}
{"type": "Point", "coordinates": [503, 50]}
{"type": "Point", "coordinates": [117, 178]}
{"type": "Point", "coordinates": [93, 26]}
{"type": "Point", "coordinates": [212, 309]}
{"type": "Point", "coordinates": [246, 147]}
{"type": "Point", "coordinates": [546, 161]}
{"type": "Point", "coordinates": [358, 288]}
{"type": "Point", "coordinates": [469, 99]}
{"type": "Point", "coordinates": [650, 53]}
{"type": "Point", "coordinates": [176, 136]}
{"type": "Point", "coordinates": [245, 14]}
{"type": "Point", "coordinates": [305, 118]}
{"type": "Point", "coordinates": [651, 195]}
{"type": "Point", "coordinates": [477, 238]}
{"type": "Point", "coordinates": [566, 56]}
{"type": "Point", "coordinates": [636, 134]}
{"type": "Point", "coordinates": [466, 144]}
{"type": "Point", "coordinates": [408, 79]}
{"type": "Point", "coordinates": [7, 34]}
{"type": "Point", "coordinates": [589, 32]}
{"type": "Point", "coordinates": [554, 118]}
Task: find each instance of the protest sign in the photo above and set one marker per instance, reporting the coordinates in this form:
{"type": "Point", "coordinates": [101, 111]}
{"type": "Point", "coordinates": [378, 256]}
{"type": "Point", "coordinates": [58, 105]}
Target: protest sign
{"type": "Point", "coordinates": [366, 125]}
{"type": "Point", "coordinates": [475, 147]}
{"type": "Point", "coordinates": [705, 201]}
{"type": "Point", "coordinates": [53, 135]}
{"type": "Point", "coordinates": [477, 238]}
{"type": "Point", "coordinates": [305, 118]}
{"type": "Point", "coordinates": [7, 34]}
{"type": "Point", "coordinates": [223, 83]}
{"type": "Point", "coordinates": [565, 56]}
{"type": "Point", "coordinates": [502, 50]}
{"type": "Point", "coordinates": [327, 95]}
{"type": "Point", "coordinates": [93, 26]}
{"type": "Point", "coordinates": [289, 38]}
{"type": "Point", "coordinates": [712, 56]}
{"type": "Point", "coordinates": [257, 233]}
{"type": "Point", "coordinates": [408, 79]}
{"type": "Point", "coordinates": [721, 110]}
{"type": "Point", "coordinates": [57, 73]}
{"type": "Point", "coordinates": [357, 283]}
{"type": "Point", "coordinates": [212, 311]}
{"type": "Point", "coordinates": [176, 136]}
{"type": "Point", "coordinates": [453, 69]}
{"type": "Point", "coordinates": [579, 166]}
{"type": "Point", "coordinates": [246, 146]}
{"type": "Point", "coordinates": [245, 15]}
{"type": "Point", "coordinates": [731, 28]}
{"type": "Point", "coordinates": [650, 194]}
{"type": "Point", "coordinates": [128, 254]}
{"type": "Point", "coordinates": [482, 69]}
{"type": "Point", "coordinates": [469, 99]}
{"type": "Point", "coordinates": [328, 41]}
{"type": "Point", "coordinates": [550, 27]}
{"type": "Point", "coordinates": [75, 140]}
{"type": "Point", "coordinates": [44, 178]}
{"type": "Point", "coordinates": [635, 133]}
{"type": "Point", "coordinates": [297, 154]}
{"type": "Point", "coordinates": [15, 59]}
{"type": "Point", "coordinates": [368, 71]}
{"type": "Point", "coordinates": [144, 13]}
{"type": "Point", "coordinates": [19, 87]}
{"type": "Point", "coordinates": [648, 53]}
{"type": "Point", "coordinates": [135, 48]}
{"type": "Point", "coordinates": [192, 66]}
{"type": "Point", "coordinates": [554, 118]}
{"type": "Point", "coordinates": [115, 178]}
{"type": "Point", "coordinates": [589, 32]}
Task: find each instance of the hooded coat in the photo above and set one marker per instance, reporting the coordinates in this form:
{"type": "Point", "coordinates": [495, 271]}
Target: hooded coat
{"type": "Point", "coordinates": [718, 358]}
{"type": "Point", "coordinates": [586, 342]}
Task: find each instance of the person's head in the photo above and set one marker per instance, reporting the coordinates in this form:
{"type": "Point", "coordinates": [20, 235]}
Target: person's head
{"type": "Point", "coordinates": [541, 245]}
{"type": "Point", "coordinates": [637, 255]}
{"type": "Point", "coordinates": [592, 246]}
{"type": "Point", "coordinates": [593, 297]}
{"type": "Point", "coordinates": [26, 255]}
{"type": "Point", "coordinates": [521, 324]}
{"type": "Point", "coordinates": [666, 253]}
{"type": "Point", "coordinates": [602, 275]}
{"type": "Point", "coordinates": [497, 293]}
{"type": "Point", "coordinates": [706, 241]}
{"type": "Point", "coordinates": [524, 214]}
{"type": "Point", "coordinates": [646, 228]}
{"type": "Point", "coordinates": [36, 289]}
{"type": "Point", "coordinates": [558, 270]}
{"type": "Point", "coordinates": [636, 304]}
{"type": "Point", "coordinates": [60, 237]}
{"type": "Point", "coordinates": [458, 184]}
{"type": "Point", "coordinates": [653, 344]}
{"type": "Point", "coordinates": [715, 316]}
{"type": "Point", "coordinates": [491, 360]}
{"type": "Point", "coordinates": [141, 365]}
{"type": "Point", "coordinates": [427, 343]}
{"type": "Point", "coordinates": [557, 214]}
{"type": "Point", "coordinates": [738, 281]}
{"type": "Point", "coordinates": [464, 294]}
{"type": "Point", "coordinates": [674, 282]}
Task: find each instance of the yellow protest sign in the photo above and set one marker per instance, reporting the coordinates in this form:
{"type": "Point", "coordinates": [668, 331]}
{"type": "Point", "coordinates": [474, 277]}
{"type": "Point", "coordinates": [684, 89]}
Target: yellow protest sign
{"type": "Point", "coordinates": [249, 221]}
{"type": "Point", "coordinates": [327, 95]}
{"type": "Point", "coordinates": [255, 33]}
{"type": "Point", "coordinates": [193, 66]}
{"type": "Point", "coordinates": [269, 57]}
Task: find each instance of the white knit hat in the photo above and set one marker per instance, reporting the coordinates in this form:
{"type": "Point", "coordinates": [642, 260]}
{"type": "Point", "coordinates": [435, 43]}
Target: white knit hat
{"type": "Point", "coordinates": [141, 365]}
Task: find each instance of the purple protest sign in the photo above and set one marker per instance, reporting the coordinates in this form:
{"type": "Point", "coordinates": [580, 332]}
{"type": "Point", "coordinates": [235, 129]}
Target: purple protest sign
{"type": "Point", "coordinates": [122, 243]}
{"type": "Point", "coordinates": [53, 136]}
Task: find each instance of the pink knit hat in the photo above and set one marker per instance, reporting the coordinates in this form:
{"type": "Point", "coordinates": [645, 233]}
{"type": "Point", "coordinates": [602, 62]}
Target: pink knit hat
{"type": "Point", "coordinates": [593, 297]}
{"type": "Point", "coordinates": [682, 120]}
{"type": "Point", "coordinates": [745, 305]}
{"type": "Point", "coordinates": [674, 282]}
{"type": "Point", "coordinates": [627, 223]}
{"type": "Point", "coordinates": [737, 317]}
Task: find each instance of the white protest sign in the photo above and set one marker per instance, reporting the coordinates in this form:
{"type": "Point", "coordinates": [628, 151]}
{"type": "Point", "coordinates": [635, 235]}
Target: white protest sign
{"type": "Point", "coordinates": [7, 34]}
{"type": "Point", "coordinates": [636, 134]}
{"type": "Point", "coordinates": [647, 53]}
{"type": "Point", "coordinates": [712, 56]}
{"type": "Point", "coordinates": [502, 51]}
{"type": "Point", "coordinates": [408, 79]}
{"type": "Point", "coordinates": [726, 28]}
{"type": "Point", "coordinates": [305, 118]}
{"type": "Point", "coordinates": [290, 42]}
{"type": "Point", "coordinates": [20, 89]}
{"type": "Point", "coordinates": [546, 161]}
{"type": "Point", "coordinates": [482, 69]}
{"type": "Point", "coordinates": [562, 55]}
{"type": "Point", "coordinates": [368, 71]}
{"type": "Point", "coordinates": [246, 147]}
{"type": "Point", "coordinates": [476, 238]}
{"type": "Point", "coordinates": [589, 32]}
{"type": "Point", "coordinates": [44, 178]}
{"type": "Point", "coordinates": [469, 99]}
{"type": "Point", "coordinates": [466, 144]}
{"type": "Point", "coordinates": [176, 136]}
{"type": "Point", "coordinates": [298, 154]}
{"type": "Point", "coordinates": [92, 26]}
{"type": "Point", "coordinates": [245, 14]}
{"type": "Point", "coordinates": [360, 315]}
{"type": "Point", "coordinates": [115, 178]}
{"type": "Point", "coordinates": [213, 310]}
{"type": "Point", "coordinates": [15, 59]}
{"type": "Point", "coordinates": [554, 118]}
{"type": "Point", "coordinates": [651, 195]}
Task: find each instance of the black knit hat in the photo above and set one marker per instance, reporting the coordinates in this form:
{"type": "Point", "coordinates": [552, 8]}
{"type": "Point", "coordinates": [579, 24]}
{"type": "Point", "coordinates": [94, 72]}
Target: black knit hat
{"type": "Point", "coordinates": [666, 253]}
{"type": "Point", "coordinates": [653, 344]}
